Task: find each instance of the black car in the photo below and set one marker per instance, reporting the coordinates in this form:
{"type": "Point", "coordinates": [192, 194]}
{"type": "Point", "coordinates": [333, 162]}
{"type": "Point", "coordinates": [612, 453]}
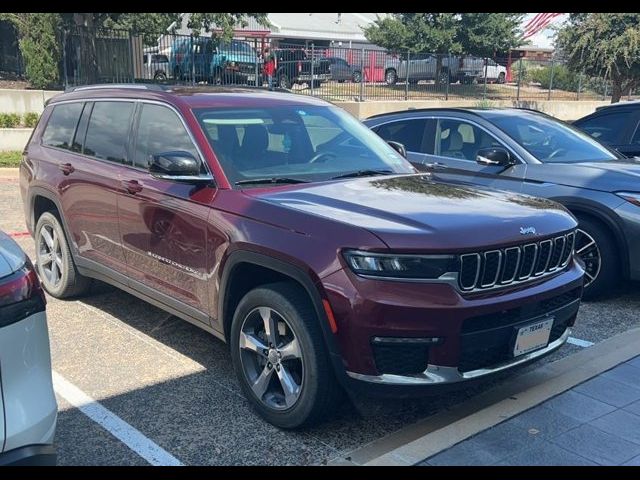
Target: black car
{"type": "Point", "coordinates": [342, 71]}
{"type": "Point", "coordinates": [532, 153]}
{"type": "Point", "coordinates": [617, 126]}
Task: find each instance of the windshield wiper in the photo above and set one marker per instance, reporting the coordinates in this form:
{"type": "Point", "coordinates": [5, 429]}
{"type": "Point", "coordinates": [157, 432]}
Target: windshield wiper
{"type": "Point", "coordinates": [257, 181]}
{"type": "Point", "coordinates": [362, 173]}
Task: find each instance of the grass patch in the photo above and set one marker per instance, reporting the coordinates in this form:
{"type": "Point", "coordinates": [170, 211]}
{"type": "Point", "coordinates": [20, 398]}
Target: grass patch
{"type": "Point", "coordinates": [10, 159]}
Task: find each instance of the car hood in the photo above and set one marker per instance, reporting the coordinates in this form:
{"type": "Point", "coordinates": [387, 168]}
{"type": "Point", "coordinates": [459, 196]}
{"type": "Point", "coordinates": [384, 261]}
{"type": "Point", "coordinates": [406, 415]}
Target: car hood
{"type": "Point", "coordinates": [420, 212]}
{"type": "Point", "coordinates": [11, 255]}
{"type": "Point", "coordinates": [610, 176]}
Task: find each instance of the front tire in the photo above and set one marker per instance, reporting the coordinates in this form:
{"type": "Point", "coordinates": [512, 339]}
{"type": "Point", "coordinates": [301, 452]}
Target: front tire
{"type": "Point", "coordinates": [595, 246]}
{"type": "Point", "coordinates": [284, 82]}
{"type": "Point", "coordinates": [58, 273]}
{"type": "Point", "coordinates": [501, 77]}
{"type": "Point", "coordinates": [279, 357]}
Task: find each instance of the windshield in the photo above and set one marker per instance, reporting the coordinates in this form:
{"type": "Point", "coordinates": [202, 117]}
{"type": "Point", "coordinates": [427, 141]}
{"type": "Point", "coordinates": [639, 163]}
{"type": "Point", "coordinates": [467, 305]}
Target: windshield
{"type": "Point", "coordinates": [306, 143]}
{"type": "Point", "coordinates": [551, 141]}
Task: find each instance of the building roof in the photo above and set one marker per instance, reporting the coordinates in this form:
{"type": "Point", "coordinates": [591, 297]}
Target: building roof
{"type": "Point", "coordinates": [309, 26]}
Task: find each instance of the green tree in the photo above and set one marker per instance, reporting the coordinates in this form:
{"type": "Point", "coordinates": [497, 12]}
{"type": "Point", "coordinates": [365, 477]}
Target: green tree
{"type": "Point", "coordinates": [604, 44]}
{"type": "Point", "coordinates": [487, 34]}
{"type": "Point", "coordinates": [39, 45]}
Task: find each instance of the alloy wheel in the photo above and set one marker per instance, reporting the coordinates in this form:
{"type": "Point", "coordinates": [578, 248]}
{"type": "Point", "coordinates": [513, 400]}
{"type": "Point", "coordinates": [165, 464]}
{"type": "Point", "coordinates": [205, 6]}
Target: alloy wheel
{"type": "Point", "coordinates": [271, 358]}
{"type": "Point", "coordinates": [587, 250]}
{"type": "Point", "coordinates": [50, 255]}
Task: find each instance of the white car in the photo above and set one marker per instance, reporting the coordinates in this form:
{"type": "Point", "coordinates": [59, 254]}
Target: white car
{"type": "Point", "coordinates": [28, 409]}
{"type": "Point", "coordinates": [156, 66]}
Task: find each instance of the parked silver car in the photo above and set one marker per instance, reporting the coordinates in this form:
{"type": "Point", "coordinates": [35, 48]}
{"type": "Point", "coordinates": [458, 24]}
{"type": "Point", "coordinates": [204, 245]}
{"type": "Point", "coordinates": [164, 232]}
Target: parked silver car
{"type": "Point", "coordinates": [28, 409]}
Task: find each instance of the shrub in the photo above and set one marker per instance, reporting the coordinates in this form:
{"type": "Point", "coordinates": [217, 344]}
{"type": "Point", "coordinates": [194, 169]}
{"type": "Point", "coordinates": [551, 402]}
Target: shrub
{"type": "Point", "coordinates": [9, 120]}
{"type": "Point", "coordinates": [30, 119]}
{"type": "Point", "coordinates": [563, 78]}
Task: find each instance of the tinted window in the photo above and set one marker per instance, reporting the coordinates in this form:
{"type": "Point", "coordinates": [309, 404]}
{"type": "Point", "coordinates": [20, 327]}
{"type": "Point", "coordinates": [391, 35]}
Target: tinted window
{"type": "Point", "coordinates": [608, 128]}
{"type": "Point", "coordinates": [108, 131]}
{"type": "Point", "coordinates": [549, 140]}
{"type": "Point", "coordinates": [62, 125]}
{"type": "Point", "coordinates": [408, 132]}
{"type": "Point", "coordinates": [304, 142]}
{"type": "Point", "coordinates": [160, 130]}
{"type": "Point", "coordinates": [461, 140]}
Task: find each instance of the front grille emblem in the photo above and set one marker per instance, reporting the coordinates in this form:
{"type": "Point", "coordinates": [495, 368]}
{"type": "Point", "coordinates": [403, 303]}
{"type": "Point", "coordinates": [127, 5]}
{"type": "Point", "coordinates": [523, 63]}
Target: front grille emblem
{"type": "Point", "coordinates": [527, 230]}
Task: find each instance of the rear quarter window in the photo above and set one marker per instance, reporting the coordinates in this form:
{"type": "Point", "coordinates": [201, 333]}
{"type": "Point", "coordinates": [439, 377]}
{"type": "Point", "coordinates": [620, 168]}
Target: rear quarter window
{"type": "Point", "coordinates": [62, 125]}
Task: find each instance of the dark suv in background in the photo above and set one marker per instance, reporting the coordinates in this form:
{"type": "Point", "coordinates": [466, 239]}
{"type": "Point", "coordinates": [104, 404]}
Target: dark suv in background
{"type": "Point", "coordinates": [528, 152]}
{"type": "Point", "coordinates": [283, 226]}
{"type": "Point", "coordinates": [616, 125]}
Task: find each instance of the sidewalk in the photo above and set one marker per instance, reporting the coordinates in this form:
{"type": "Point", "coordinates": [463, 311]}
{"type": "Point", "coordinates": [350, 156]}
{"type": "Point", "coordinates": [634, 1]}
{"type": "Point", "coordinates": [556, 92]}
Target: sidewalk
{"type": "Point", "coordinates": [594, 423]}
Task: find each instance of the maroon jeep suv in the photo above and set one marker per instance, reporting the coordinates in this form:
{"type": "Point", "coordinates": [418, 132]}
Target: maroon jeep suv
{"type": "Point", "coordinates": [285, 227]}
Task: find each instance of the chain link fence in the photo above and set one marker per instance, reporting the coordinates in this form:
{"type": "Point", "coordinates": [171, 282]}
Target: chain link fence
{"type": "Point", "coordinates": [121, 56]}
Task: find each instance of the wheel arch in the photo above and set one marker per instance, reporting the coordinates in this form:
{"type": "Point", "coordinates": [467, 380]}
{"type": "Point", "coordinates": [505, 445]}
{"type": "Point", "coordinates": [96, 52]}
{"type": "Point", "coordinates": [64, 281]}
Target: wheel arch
{"type": "Point", "coordinates": [594, 211]}
{"type": "Point", "coordinates": [241, 261]}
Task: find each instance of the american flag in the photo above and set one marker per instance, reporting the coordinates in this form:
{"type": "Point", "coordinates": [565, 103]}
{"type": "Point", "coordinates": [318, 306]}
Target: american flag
{"type": "Point", "coordinates": [538, 23]}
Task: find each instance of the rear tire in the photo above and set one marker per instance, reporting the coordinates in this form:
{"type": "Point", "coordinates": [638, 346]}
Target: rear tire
{"type": "Point", "coordinates": [316, 391]}
{"type": "Point", "coordinates": [58, 272]}
{"type": "Point", "coordinates": [501, 77]}
{"type": "Point", "coordinates": [391, 76]}
{"type": "Point", "coordinates": [284, 82]}
{"type": "Point", "coordinates": [601, 259]}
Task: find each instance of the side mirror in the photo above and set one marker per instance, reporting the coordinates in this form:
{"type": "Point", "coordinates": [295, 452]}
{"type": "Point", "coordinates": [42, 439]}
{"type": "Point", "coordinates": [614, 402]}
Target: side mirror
{"type": "Point", "coordinates": [176, 166]}
{"type": "Point", "coordinates": [398, 147]}
{"type": "Point", "coordinates": [494, 156]}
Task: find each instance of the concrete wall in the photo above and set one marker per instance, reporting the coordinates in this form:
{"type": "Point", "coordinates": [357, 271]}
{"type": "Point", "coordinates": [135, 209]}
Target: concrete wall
{"type": "Point", "coordinates": [24, 101]}
{"type": "Point", "coordinates": [564, 110]}
{"type": "Point", "coordinates": [14, 138]}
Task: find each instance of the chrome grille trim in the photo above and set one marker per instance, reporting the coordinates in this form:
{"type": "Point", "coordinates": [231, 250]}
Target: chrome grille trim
{"type": "Point", "coordinates": [560, 247]}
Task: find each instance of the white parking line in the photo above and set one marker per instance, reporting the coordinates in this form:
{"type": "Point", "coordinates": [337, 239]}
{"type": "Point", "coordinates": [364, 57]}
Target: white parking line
{"type": "Point", "coordinates": [579, 342]}
{"type": "Point", "coordinates": [120, 429]}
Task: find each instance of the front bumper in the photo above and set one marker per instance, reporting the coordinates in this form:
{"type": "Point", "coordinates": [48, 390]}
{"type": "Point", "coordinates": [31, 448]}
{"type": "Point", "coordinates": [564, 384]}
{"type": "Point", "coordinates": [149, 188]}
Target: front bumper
{"type": "Point", "coordinates": [471, 335]}
{"type": "Point", "coordinates": [325, 77]}
{"type": "Point", "coordinates": [30, 455]}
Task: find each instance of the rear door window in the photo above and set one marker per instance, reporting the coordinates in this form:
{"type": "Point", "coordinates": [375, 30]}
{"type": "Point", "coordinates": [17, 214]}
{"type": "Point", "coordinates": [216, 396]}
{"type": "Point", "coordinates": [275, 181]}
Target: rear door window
{"type": "Point", "coordinates": [62, 125]}
{"type": "Point", "coordinates": [408, 132]}
{"type": "Point", "coordinates": [108, 131]}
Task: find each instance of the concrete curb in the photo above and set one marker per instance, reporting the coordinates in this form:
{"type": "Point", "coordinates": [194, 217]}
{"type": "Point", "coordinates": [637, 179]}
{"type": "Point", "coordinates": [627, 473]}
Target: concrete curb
{"type": "Point", "coordinates": [417, 442]}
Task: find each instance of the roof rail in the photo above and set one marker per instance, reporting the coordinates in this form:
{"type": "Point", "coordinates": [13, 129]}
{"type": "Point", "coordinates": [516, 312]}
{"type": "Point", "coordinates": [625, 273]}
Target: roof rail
{"type": "Point", "coordinates": [426, 109]}
{"type": "Point", "coordinates": [140, 86]}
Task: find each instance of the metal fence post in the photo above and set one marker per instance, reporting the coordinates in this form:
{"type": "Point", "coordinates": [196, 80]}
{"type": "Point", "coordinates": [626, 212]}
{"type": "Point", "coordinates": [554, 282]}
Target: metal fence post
{"type": "Point", "coordinates": [446, 86]}
{"type": "Point", "coordinates": [193, 62]}
{"type": "Point", "coordinates": [604, 93]}
{"type": "Point", "coordinates": [519, 80]}
{"type": "Point", "coordinates": [313, 51]}
{"type": "Point", "coordinates": [64, 58]}
{"type": "Point", "coordinates": [579, 86]}
{"type": "Point", "coordinates": [255, 48]}
{"type": "Point", "coordinates": [362, 75]}
{"type": "Point", "coordinates": [132, 59]}
{"type": "Point", "coordinates": [484, 91]}
{"type": "Point", "coordinates": [550, 80]}
{"type": "Point", "coordinates": [406, 83]}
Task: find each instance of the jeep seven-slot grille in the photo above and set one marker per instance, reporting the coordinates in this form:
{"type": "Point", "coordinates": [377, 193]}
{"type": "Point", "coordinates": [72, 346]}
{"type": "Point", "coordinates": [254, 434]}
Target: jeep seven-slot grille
{"type": "Point", "coordinates": [496, 268]}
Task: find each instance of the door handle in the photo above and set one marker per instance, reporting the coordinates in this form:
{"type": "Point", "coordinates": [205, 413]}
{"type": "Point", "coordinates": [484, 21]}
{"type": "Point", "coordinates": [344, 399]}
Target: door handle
{"type": "Point", "coordinates": [132, 186]}
{"type": "Point", "coordinates": [435, 165]}
{"type": "Point", "coordinates": [66, 168]}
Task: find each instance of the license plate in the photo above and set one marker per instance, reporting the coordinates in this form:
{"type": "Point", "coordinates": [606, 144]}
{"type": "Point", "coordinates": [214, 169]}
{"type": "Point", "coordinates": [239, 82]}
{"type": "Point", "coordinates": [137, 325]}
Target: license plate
{"type": "Point", "coordinates": [532, 337]}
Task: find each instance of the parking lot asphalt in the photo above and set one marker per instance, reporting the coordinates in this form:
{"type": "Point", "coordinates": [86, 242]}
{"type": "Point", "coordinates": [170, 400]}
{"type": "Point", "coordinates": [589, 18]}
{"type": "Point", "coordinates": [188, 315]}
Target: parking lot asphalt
{"type": "Point", "coordinates": [169, 389]}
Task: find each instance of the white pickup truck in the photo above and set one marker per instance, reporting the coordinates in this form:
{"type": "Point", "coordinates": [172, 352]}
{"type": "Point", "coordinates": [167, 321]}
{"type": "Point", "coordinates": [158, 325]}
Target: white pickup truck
{"type": "Point", "coordinates": [453, 69]}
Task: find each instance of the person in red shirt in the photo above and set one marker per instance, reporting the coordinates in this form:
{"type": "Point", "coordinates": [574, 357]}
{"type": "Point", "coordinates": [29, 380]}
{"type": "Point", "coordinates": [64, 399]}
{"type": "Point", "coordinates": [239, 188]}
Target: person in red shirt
{"type": "Point", "coordinates": [269, 66]}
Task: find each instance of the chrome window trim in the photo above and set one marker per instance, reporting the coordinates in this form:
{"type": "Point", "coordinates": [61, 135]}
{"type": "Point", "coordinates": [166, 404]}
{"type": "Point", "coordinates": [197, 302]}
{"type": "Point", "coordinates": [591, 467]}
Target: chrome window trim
{"type": "Point", "coordinates": [134, 101]}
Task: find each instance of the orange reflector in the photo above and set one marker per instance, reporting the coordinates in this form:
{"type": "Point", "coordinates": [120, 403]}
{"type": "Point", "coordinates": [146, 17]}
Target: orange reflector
{"type": "Point", "coordinates": [332, 319]}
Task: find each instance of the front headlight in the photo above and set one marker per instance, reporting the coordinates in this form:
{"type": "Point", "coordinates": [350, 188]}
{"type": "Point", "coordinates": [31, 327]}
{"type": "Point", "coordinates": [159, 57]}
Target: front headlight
{"type": "Point", "coordinates": [400, 265]}
{"type": "Point", "coordinates": [630, 197]}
